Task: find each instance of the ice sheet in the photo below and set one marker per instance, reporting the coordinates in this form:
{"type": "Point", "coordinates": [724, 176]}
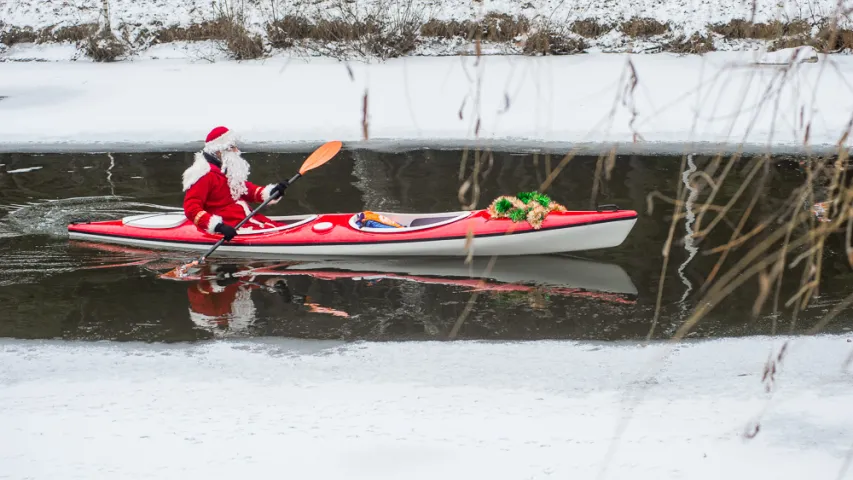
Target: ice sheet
{"type": "Point", "coordinates": [305, 409]}
{"type": "Point", "coordinates": [682, 104]}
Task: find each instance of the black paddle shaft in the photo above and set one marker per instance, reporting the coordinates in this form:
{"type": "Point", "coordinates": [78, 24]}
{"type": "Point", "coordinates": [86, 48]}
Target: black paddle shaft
{"type": "Point", "coordinates": [250, 215]}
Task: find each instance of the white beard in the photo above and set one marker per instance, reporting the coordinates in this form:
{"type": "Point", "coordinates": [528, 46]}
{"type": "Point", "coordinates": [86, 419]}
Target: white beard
{"type": "Point", "coordinates": [236, 169]}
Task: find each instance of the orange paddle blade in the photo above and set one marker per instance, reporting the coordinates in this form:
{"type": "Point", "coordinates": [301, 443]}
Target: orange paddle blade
{"type": "Point", "coordinates": [321, 156]}
{"type": "Point", "coordinates": [179, 272]}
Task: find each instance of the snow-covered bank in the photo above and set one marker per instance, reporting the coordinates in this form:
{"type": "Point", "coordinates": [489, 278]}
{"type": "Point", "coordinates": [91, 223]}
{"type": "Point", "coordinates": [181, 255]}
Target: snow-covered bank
{"type": "Point", "coordinates": [690, 15]}
{"type": "Point", "coordinates": [678, 103]}
{"type": "Point", "coordinates": [600, 24]}
{"type": "Point", "coordinates": [424, 410]}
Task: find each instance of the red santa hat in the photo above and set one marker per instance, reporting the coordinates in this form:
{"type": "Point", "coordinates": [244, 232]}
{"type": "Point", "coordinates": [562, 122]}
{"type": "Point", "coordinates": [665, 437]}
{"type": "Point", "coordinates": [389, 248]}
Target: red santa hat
{"type": "Point", "coordinates": [220, 138]}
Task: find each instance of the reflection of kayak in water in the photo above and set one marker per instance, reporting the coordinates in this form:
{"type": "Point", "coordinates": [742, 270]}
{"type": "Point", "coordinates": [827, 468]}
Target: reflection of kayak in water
{"type": "Point", "coordinates": [553, 275]}
{"type": "Point", "coordinates": [550, 274]}
{"type": "Point", "coordinates": [536, 269]}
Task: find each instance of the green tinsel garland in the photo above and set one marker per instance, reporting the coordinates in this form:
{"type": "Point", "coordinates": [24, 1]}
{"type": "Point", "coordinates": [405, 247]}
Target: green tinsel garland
{"type": "Point", "coordinates": [532, 206]}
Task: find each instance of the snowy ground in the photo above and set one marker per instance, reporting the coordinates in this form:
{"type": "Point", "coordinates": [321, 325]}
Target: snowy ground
{"type": "Point", "coordinates": [679, 104]}
{"type": "Point", "coordinates": [305, 409]}
{"type": "Point", "coordinates": [137, 19]}
{"type": "Point", "coordinates": [690, 15]}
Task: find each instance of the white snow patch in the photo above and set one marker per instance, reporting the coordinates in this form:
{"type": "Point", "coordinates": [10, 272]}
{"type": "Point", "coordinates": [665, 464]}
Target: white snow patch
{"type": "Point", "coordinates": [307, 409]}
{"type": "Point", "coordinates": [721, 98]}
{"type": "Point", "coordinates": [206, 51]}
{"type": "Point", "coordinates": [48, 52]}
{"type": "Point", "coordinates": [786, 56]}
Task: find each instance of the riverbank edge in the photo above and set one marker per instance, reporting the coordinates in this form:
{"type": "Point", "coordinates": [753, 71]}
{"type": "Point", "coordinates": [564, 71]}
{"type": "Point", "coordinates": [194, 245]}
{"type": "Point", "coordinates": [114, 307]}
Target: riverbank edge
{"type": "Point", "coordinates": [404, 145]}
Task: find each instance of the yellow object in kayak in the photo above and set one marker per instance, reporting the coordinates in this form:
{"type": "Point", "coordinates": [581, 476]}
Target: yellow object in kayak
{"type": "Point", "coordinates": [375, 220]}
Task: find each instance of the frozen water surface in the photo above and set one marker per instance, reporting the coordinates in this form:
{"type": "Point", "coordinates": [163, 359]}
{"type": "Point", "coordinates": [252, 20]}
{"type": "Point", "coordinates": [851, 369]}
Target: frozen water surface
{"type": "Point", "coordinates": [425, 409]}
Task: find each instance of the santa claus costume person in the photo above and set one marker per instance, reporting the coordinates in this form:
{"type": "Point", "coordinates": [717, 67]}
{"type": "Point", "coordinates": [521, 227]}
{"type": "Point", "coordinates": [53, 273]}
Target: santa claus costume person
{"type": "Point", "coordinates": [217, 189]}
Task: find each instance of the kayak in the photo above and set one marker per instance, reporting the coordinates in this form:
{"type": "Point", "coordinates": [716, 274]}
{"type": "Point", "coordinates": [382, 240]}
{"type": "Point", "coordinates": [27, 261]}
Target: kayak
{"type": "Point", "coordinates": [341, 234]}
{"type": "Point", "coordinates": [431, 234]}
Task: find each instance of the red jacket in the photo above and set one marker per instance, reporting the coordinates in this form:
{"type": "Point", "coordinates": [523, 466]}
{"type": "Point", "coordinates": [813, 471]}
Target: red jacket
{"type": "Point", "coordinates": [208, 201]}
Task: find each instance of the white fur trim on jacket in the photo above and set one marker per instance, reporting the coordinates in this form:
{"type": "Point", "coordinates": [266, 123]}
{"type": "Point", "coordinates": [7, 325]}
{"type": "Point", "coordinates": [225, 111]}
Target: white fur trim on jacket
{"type": "Point", "coordinates": [266, 192]}
{"type": "Point", "coordinates": [215, 287]}
{"type": "Point", "coordinates": [224, 141]}
{"type": "Point", "coordinates": [214, 221]}
{"type": "Point", "coordinates": [198, 169]}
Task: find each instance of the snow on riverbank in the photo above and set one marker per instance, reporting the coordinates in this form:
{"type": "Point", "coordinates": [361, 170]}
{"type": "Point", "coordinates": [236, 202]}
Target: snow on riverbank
{"type": "Point", "coordinates": [462, 410]}
{"type": "Point", "coordinates": [689, 15]}
{"type": "Point", "coordinates": [677, 105]}
{"type": "Point", "coordinates": [138, 22]}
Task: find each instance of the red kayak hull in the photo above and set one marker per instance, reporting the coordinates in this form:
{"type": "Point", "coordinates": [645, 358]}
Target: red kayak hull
{"type": "Point", "coordinates": [336, 234]}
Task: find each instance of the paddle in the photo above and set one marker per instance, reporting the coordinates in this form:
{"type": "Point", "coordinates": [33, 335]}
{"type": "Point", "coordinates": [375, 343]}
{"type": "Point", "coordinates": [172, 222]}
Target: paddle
{"type": "Point", "coordinates": [320, 156]}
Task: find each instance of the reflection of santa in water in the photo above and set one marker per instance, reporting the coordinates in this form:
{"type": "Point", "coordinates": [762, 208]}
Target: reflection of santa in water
{"type": "Point", "coordinates": [222, 304]}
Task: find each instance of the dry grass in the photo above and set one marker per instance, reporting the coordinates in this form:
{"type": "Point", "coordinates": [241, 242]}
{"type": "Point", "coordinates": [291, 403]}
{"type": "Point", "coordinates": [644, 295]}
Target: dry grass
{"type": "Point", "coordinates": [550, 42]}
{"type": "Point", "coordinates": [643, 27]}
{"type": "Point", "coordinates": [696, 45]}
{"type": "Point", "coordinates": [383, 31]}
{"type": "Point", "coordinates": [831, 39]}
{"type": "Point", "coordinates": [197, 32]}
{"type": "Point", "coordinates": [285, 32]}
{"type": "Point", "coordinates": [590, 28]}
{"type": "Point", "coordinates": [503, 28]}
{"type": "Point", "coordinates": [388, 34]}
{"type": "Point", "coordinates": [495, 27]}
{"type": "Point", "coordinates": [100, 46]}
{"type": "Point", "coordinates": [546, 40]}
{"type": "Point", "coordinates": [447, 29]}
{"type": "Point", "coordinates": [367, 37]}
{"type": "Point", "coordinates": [18, 35]}
{"type": "Point", "coordinates": [743, 29]}
{"type": "Point", "coordinates": [827, 39]}
{"type": "Point", "coordinates": [766, 242]}
{"type": "Point", "coordinates": [239, 42]}
{"type": "Point", "coordinates": [73, 33]}
{"type": "Point", "coordinates": [394, 42]}
{"type": "Point", "coordinates": [104, 47]}
{"type": "Point", "coordinates": [790, 42]}
{"type": "Point", "coordinates": [337, 30]}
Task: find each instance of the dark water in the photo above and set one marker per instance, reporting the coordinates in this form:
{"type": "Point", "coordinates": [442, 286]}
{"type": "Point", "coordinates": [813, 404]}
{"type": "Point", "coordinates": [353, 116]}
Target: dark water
{"type": "Point", "coordinates": [52, 288]}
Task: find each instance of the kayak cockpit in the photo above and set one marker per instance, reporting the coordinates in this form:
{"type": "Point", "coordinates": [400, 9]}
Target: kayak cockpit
{"type": "Point", "coordinates": [403, 222]}
{"type": "Point", "coordinates": [285, 223]}
{"type": "Point", "coordinates": [175, 220]}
